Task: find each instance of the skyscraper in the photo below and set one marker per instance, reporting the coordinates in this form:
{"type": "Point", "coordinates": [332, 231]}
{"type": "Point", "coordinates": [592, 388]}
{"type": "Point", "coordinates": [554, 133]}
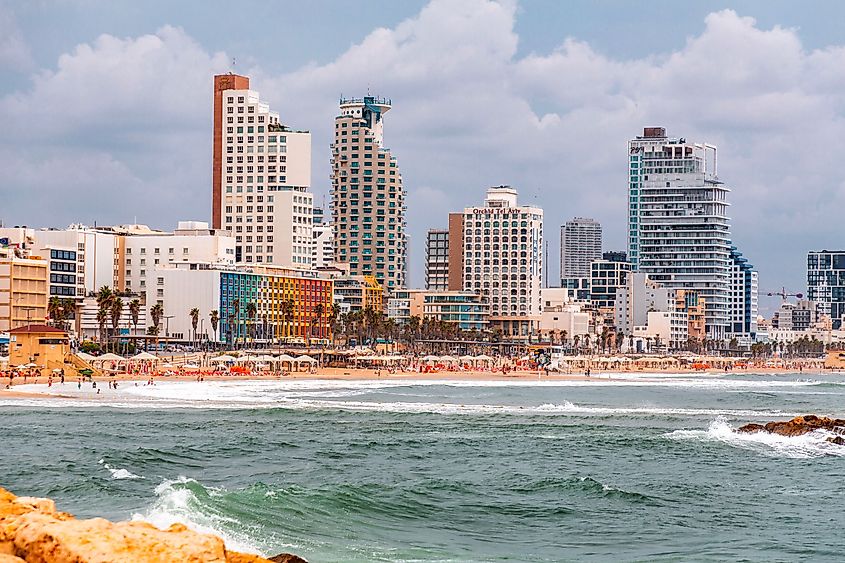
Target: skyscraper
{"type": "Point", "coordinates": [368, 200]}
{"type": "Point", "coordinates": [260, 178]}
{"type": "Point", "coordinates": [503, 260]}
{"type": "Point", "coordinates": [437, 260]}
{"type": "Point", "coordinates": [826, 283]}
{"type": "Point", "coordinates": [678, 229]}
{"type": "Point", "coordinates": [580, 244]}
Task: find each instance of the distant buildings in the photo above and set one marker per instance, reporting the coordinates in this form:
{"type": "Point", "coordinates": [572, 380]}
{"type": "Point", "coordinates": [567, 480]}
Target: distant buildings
{"type": "Point", "coordinates": [368, 199]}
{"type": "Point", "coordinates": [260, 178]}
{"type": "Point", "coordinates": [580, 244]}
{"type": "Point", "coordinates": [23, 289]}
{"type": "Point", "coordinates": [437, 260]}
{"type": "Point", "coordinates": [606, 276]}
{"type": "Point", "coordinates": [322, 251]}
{"type": "Point", "coordinates": [826, 283]}
{"type": "Point", "coordinates": [678, 228]}
{"type": "Point", "coordinates": [742, 299]}
{"type": "Point", "coordinates": [467, 310]}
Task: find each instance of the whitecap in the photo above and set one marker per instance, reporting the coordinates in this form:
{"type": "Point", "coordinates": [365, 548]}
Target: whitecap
{"type": "Point", "coordinates": [118, 473]}
{"type": "Point", "coordinates": [176, 503]}
{"type": "Point", "coordinates": [813, 444]}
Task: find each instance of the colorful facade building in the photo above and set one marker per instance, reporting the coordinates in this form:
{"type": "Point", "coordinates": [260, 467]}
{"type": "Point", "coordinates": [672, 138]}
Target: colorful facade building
{"type": "Point", "coordinates": [356, 293]}
{"type": "Point", "coordinates": [253, 304]}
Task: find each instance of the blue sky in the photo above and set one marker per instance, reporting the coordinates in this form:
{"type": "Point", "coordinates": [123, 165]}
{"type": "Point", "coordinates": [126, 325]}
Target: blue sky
{"type": "Point", "coordinates": [106, 105]}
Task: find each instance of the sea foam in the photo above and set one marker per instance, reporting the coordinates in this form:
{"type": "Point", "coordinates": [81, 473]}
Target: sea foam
{"type": "Point", "coordinates": [813, 444]}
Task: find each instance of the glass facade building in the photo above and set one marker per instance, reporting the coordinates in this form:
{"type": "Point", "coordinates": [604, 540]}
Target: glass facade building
{"type": "Point", "coordinates": [826, 283]}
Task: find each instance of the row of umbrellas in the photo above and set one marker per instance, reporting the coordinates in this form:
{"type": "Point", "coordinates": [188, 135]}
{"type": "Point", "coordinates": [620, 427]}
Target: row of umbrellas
{"type": "Point", "coordinates": [140, 357]}
{"type": "Point", "coordinates": [453, 359]}
{"type": "Point", "coordinates": [266, 358]}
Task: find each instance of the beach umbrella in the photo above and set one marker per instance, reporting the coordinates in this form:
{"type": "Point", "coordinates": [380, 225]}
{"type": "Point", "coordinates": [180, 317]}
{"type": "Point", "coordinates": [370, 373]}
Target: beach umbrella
{"type": "Point", "coordinates": [430, 358]}
{"type": "Point", "coordinates": [144, 356]}
{"type": "Point", "coordinates": [267, 359]}
{"type": "Point", "coordinates": [224, 358]}
{"type": "Point", "coordinates": [306, 358]}
{"type": "Point", "coordinates": [85, 357]}
{"type": "Point", "coordinates": [110, 358]}
{"type": "Point", "coordinates": [448, 359]}
{"type": "Point", "coordinates": [467, 358]}
{"type": "Point", "coordinates": [484, 358]}
{"type": "Point", "coordinates": [285, 358]}
{"type": "Point", "coordinates": [191, 366]}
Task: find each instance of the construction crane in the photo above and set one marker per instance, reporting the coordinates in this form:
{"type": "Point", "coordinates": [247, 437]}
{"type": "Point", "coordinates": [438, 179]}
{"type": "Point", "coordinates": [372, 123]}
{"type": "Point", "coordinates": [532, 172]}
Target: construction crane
{"type": "Point", "coordinates": [784, 294]}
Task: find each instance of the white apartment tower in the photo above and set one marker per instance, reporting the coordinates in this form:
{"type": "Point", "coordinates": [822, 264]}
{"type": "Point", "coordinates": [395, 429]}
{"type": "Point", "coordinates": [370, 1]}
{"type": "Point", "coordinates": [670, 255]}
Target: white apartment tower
{"type": "Point", "coordinates": [678, 228]}
{"type": "Point", "coordinates": [580, 245]}
{"type": "Point", "coordinates": [503, 260]}
{"type": "Point", "coordinates": [368, 199]}
{"type": "Point", "coordinates": [260, 178]}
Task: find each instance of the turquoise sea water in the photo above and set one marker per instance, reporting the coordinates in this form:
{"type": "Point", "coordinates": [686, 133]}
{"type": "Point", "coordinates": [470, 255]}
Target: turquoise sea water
{"type": "Point", "coordinates": [646, 469]}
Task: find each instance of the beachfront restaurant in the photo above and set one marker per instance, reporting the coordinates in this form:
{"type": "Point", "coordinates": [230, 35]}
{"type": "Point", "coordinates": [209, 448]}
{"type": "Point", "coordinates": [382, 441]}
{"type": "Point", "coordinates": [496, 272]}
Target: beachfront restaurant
{"type": "Point", "coordinates": [38, 346]}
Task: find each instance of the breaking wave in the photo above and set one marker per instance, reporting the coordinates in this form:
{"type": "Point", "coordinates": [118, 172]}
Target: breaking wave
{"type": "Point", "coordinates": [117, 473]}
{"type": "Point", "coordinates": [813, 444]}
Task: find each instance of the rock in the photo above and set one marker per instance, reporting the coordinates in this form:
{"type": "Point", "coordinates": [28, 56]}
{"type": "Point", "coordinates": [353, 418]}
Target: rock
{"type": "Point", "coordinates": [838, 440]}
{"type": "Point", "coordinates": [287, 558]}
{"type": "Point", "coordinates": [799, 426]}
{"type": "Point", "coordinates": [33, 531]}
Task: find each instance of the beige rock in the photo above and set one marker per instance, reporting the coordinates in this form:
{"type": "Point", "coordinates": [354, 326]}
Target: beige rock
{"type": "Point", "coordinates": [31, 530]}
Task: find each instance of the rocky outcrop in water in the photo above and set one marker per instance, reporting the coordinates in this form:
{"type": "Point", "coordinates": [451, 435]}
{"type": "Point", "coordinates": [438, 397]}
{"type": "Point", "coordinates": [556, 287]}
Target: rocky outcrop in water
{"type": "Point", "coordinates": [33, 531]}
{"type": "Point", "coordinates": [801, 425]}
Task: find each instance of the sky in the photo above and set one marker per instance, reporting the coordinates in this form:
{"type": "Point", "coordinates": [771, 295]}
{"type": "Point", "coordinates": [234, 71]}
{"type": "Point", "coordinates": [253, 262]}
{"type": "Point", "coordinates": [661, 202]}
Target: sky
{"type": "Point", "coordinates": [105, 106]}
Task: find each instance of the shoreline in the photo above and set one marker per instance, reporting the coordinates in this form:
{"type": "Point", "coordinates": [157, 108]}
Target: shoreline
{"type": "Point", "coordinates": [369, 374]}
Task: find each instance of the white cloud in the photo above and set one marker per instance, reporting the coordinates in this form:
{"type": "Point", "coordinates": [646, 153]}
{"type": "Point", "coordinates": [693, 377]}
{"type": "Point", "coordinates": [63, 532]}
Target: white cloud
{"type": "Point", "coordinates": [15, 54]}
{"type": "Point", "coordinates": [468, 113]}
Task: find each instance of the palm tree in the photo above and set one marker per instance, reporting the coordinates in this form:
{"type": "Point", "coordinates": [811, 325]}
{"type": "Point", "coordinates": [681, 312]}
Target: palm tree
{"type": "Point", "coordinates": [195, 320]}
{"type": "Point", "coordinates": [54, 310]}
{"type": "Point", "coordinates": [334, 316]}
{"type": "Point", "coordinates": [214, 317]}
{"type": "Point", "coordinates": [319, 311]}
{"type": "Point", "coordinates": [231, 323]}
{"type": "Point", "coordinates": [288, 313]}
{"type": "Point", "coordinates": [115, 312]}
{"type": "Point", "coordinates": [156, 313]}
{"type": "Point", "coordinates": [135, 313]}
{"type": "Point", "coordinates": [236, 313]}
{"type": "Point", "coordinates": [251, 311]}
{"type": "Point", "coordinates": [102, 317]}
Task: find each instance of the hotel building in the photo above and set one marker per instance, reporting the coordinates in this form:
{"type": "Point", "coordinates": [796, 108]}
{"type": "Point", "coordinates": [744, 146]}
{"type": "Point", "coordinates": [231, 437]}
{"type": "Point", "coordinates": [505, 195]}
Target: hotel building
{"type": "Point", "coordinates": [742, 299]}
{"type": "Point", "coordinates": [23, 288]}
{"type": "Point", "coordinates": [826, 283]}
{"type": "Point", "coordinates": [437, 260]}
{"type": "Point", "coordinates": [503, 260]}
{"type": "Point", "coordinates": [678, 228]}
{"type": "Point", "coordinates": [368, 199]}
{"type": "Point", "coordinates": [580, 245]}
{"type": "Point", "coordinates": [467, 310]}
{"type": "Point", "coordinates": [260, 178]}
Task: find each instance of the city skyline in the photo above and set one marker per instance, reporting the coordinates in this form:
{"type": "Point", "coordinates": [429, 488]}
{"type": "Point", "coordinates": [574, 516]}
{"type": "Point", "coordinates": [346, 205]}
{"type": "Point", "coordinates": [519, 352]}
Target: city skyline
{"type": "Point", "coordinates": [149, 135]}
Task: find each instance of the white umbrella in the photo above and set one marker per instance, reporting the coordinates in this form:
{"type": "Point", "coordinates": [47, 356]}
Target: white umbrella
{"type": "Point", "coordinates": [467, 358]}
{"type": "Point", "coordinates": [430, 358]}
{"type": "Point", "coordinates": [484, 358]}
{"type": "Point", "coordinates": [144, 356]}
{"type": "Point", "coordinates": [85, 357]}
{"type": "Point", "coordinates": [191, 366]}
{"type": "Point", "coordinates": [284, 358]}
{"type": "Point", "coordinates": [306, 358]}
{"type": "Point", "coordinates": [110, 358]}
{"type": "Point", "coordinates": [248, 358]}
{"type": "Point", "coordinates": [224, 358]}
{"type": "Point", "coordinates": [267, 359]}
{"type": "Point", "coordinates": [448, 359]}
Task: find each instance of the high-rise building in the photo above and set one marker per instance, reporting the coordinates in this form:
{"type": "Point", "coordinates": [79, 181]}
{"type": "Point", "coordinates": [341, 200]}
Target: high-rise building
{"type": "Point", "coordinates": [368, 199]}
{"type": "Point", "coordinates": [260, 178]}
{"type": "Point", "coordinates": [606, 276]}
{"type": "Point", "coordinates": [322, 251]}
{"type": "Point", "coordinates": [742, 299]}
{"type": "Point", "coordinates": [678, 228]}
{"type": "Point", "coordinates": [826, 283]}
{"type": "Point", "coordinates": [437, 260]}
{"type": "Point", "coordinates": [503, 260]}
{"type": "Point", "coordinates": [580, 244]}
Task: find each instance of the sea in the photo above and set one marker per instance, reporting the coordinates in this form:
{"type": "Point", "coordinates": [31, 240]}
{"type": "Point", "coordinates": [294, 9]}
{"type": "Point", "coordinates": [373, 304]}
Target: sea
{"type": "Point", "coordinates": [633, 467]}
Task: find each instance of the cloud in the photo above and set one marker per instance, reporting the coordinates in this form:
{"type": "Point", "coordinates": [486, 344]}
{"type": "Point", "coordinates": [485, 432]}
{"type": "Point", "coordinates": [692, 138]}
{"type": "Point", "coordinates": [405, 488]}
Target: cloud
{"type": "Point", "coordinates": [15, 54]}
{"type": "Point", "coordinates": [133, 115]}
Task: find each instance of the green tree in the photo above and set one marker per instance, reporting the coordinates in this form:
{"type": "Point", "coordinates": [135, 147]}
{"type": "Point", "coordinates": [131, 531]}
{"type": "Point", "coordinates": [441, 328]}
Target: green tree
{"type": "Point", "coordinates": [135, 313]}
{"type": "Point", "coordinates": [214, 317]}
{"type": "Point", "coordinates": [195, 320]}
{"type": "Point", "coordinates": [115, 312]}
{"type": "Point", "coordinates": [251, 311]}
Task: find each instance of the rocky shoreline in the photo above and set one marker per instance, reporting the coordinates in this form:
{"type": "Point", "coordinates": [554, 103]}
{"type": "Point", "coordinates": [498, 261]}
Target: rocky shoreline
{"type": "Point", "coordinates": [801, 425]}
{"type": "Point", "coordinates": [33, 531]}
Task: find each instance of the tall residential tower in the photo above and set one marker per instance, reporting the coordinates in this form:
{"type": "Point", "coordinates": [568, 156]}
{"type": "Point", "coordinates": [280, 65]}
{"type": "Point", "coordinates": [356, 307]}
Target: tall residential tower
{"type": "Point", "coordinates": [678, 228]}
{"type": "Point", "coordinates": [368, 200]}
{"type": "Point", "coordinates": [580, 244]}
{"type": "Point", "coordinates": [260, 178]}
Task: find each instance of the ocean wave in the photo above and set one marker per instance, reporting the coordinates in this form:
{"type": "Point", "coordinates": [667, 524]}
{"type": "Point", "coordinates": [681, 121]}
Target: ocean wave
{"type": "Point", "coordinates": [187, 501]}
{"type": "Point", "coordinates": [586, 485]}
{"type": "Point", "coordinates": [811, 445]}
{"type": "Point", "coordinates": [118, 473]}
